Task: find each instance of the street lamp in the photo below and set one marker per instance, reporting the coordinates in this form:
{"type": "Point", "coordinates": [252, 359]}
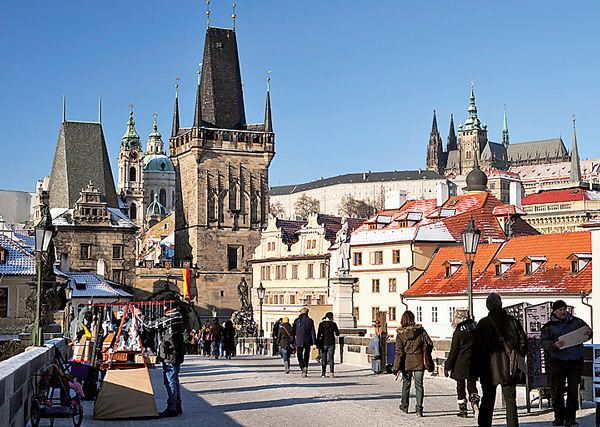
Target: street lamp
{"type": "Point", "coordinates": [260, 292]}
{"type": "Point", "coordinates": [43, 236]}
{"type": "Point", "coordinates": [470, 239]}
{"type": "Point", "coordinates": [214, 312]}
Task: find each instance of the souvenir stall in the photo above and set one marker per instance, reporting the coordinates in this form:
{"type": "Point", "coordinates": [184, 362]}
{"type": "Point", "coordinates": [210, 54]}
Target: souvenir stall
{"type": "Point", "coordinates": [117, 343]}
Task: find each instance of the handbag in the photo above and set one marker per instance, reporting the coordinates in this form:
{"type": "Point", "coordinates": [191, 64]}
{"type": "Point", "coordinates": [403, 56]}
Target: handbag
{"type": "Point", "coordinates": [516, 361]}
{"type": "Point", "coordinates": [291, 346]}
{"type": "Point", "coordinates": [427, 358]}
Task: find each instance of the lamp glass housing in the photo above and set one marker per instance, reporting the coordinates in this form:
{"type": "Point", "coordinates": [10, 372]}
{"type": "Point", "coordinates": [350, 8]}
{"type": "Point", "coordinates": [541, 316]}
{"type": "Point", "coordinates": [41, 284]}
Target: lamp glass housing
{"type": "Point", "coordinates": [260, 291]}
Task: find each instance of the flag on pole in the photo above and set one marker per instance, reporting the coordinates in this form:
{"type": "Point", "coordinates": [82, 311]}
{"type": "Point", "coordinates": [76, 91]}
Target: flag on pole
{"type": "Point", "coordinates": [186, 284]}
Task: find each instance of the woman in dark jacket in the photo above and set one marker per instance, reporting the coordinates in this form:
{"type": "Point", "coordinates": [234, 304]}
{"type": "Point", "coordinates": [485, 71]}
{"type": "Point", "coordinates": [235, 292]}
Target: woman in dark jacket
{"type": "Point", "coordinates": [409, 358]}
{"type": "Point", "coordinates": [284, 338]}
{"type": "Point", "coordinates": [459, 361]}
{"type": "Point", "coordinates": [228, 338]}
{"type": "Point", "coordinates": [328, 329]}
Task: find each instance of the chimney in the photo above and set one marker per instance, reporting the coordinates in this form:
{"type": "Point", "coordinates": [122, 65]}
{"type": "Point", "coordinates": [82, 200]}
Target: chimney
{"type": "Point", "coordinates": [516, 193]}
{"type": "Point", "coordinates": [395, 199]}
{"type": "Point", "coordinates": [100, 267]}
{"type": "Point", "coordinates": [441, 189]}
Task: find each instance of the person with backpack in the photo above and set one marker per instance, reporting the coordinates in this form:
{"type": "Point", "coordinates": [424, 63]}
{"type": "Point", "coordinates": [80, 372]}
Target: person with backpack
{"type": "Point", "coordinates": [286, 346]}
{"type": "Point", "coordinates": [328, 330]}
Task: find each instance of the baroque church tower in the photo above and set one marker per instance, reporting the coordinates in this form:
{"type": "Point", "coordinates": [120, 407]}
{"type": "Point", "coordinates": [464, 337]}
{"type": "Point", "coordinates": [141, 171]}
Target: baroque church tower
{"type": "Point", "coordinates": [130, 186]}
{"type": "Point", "coordinates": [222, 170]}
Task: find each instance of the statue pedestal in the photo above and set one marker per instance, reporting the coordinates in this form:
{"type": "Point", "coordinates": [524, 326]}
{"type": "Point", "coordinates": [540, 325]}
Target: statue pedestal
{"type": "Point", "coordinates": [342, 289]}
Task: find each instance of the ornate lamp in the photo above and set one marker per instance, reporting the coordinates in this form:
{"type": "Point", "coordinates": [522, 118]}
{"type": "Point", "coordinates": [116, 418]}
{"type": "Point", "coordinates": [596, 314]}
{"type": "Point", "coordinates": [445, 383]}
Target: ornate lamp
{"type": "Point", "coordinates": [260, 292]}
{"type": "Point", "coordinates": [470, 239]}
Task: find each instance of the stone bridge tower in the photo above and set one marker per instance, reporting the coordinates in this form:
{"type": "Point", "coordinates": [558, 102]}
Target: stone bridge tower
{"type": "Point", "coordinates": [222, 172]}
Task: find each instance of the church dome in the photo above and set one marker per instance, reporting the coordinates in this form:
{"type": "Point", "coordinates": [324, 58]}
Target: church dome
{"type": "Point", "coordinates": [155, 209]}
{"type": "Point", "coordinates": [476, 180]}
{"type": "Point", "coordinates": [157, 163]}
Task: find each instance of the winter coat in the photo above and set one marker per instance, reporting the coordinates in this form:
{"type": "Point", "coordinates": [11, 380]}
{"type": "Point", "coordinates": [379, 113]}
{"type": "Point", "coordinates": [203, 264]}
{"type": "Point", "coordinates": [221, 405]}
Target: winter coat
{"type": "Point", "coordinates": [283, 337]}
{"type": "Point", "coordinates": [228, 337]}
{"type": "Point", "coordinates": [328, 329]}
{"type": "Point", "coordinates": [409, 348]}
{"type": "Point", "coordinates": [276, 326]}
{"type": "Point", "coordinates": [489, 361]}
{"type": "Point", "coordinates": [459, 358]}
{"type": "Point", "coordinates": [552, 330]}
{"type": "Point", "coordinates": [216, 331]}
{"type": "Point", "coordinates": [304, 331]}
{"type": "Point", "coordinates": [171, 348]}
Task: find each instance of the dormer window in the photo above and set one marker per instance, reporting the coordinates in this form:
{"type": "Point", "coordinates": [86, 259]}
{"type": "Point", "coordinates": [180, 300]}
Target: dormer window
{"type": "Point", "coordinates": [451, 267]}
{"type": "Point", "coordinates": [532, 263]}
{"type": "Point", "coordinates": [579, 261]}
{"type": "Point", "coordinates": [502, 265]}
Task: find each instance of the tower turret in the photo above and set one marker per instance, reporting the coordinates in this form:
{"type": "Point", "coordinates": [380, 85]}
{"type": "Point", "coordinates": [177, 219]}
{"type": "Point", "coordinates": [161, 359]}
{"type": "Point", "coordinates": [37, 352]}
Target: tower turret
{"type": "Point", "coordinates": [575, 175]}
{"type": "Point", "coordinates": [435, 152]}
{"type": "Point", "coordinates": [505, 140]}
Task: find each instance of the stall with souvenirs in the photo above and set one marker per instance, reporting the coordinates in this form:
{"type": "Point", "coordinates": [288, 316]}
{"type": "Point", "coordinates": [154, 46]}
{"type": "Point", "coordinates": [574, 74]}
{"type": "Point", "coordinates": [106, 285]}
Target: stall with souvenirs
{"type": "Point", "coordinates": [114, 346]}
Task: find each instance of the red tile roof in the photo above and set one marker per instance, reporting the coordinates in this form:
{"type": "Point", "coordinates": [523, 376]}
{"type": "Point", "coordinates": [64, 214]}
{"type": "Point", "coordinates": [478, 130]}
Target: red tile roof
{"type": "Point", "coordinates": [552, 277]}
{"type": "Point", "coordinates": [558, 196]}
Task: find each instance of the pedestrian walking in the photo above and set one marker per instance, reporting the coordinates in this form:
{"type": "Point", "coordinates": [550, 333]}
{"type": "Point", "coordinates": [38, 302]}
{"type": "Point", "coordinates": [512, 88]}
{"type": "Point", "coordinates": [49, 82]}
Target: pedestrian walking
{"type": "Point", "coordinates": [276, 337]}
{"type": "Point", "coordinates": [408, 359]}
{"type": "Point", "coordinates": [216, 332]}
{"type": "Point", "coordinates": [566, 363]}
{"type": "Point", "coordinates": [285, 343]}
{"type": "Point", "coordinates": [490, 362]}
{"type": "Point", "coordinates": [459, 362]}
{"type": "Point", "coordinates": [304, 337]}
{"type": "Point", "coordinates": [171, 352]}
{"type": "Point", "coordinates": [186, 341]}
{"type": "Point", "coordinates": [193, 342]}
{"type": "Point", "coordinates": [206, 339]}
{"type": "Point", "coordinates": [229, 339]}
{"type": "Point", "coordinates": [327, 332]}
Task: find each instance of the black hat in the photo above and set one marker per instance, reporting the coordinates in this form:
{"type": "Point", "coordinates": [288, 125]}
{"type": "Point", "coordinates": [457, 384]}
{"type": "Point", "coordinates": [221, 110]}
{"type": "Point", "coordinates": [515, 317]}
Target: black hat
{"type": "Point", "coordinates": [559, 304]}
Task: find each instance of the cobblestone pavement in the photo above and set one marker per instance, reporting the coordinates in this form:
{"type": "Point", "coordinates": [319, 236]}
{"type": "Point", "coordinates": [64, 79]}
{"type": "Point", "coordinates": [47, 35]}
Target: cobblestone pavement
{"type": "Point", "coordinates": [254, 391]}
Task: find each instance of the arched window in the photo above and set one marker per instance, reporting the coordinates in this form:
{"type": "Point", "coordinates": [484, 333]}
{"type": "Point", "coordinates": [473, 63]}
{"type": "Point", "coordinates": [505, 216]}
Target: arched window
{"type": "Point", "coordinates": [162, 198]}
{"type": "Point", "coordinates": [132, 212]}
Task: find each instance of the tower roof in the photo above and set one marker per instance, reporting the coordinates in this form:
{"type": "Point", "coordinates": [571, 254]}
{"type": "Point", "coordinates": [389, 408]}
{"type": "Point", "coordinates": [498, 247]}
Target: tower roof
{"type": "Point", "coordinates": [131, 139]}
{"type": "Point", "coordinates": [268, 121]}
{"type": "Point", "coordinates": [80, 157]}
{"type": "Point", "coordinates": [575, 175]}
{"type": "Point", "coordinates": [222, 101]}
{"type": "Point", "coordinates": [505, 140]}
{"type": "Point", "coordinates": [472, 121]}
{"type": "Point", "coordinates": [155, 142]}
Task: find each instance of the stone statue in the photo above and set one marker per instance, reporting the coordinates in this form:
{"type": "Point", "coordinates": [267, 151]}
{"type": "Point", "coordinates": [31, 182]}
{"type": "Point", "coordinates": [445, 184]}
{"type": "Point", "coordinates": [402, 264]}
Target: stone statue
{"type": "Point", "coordinates": [243, 319]}
{"type": "Point", "coordinates": [342, 239]}
{"type": "Point", "coordinates": [243, 294]}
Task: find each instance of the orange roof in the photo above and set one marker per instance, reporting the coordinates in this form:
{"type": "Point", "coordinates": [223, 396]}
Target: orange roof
{"type": "Point", "coordinates": [552, 277]}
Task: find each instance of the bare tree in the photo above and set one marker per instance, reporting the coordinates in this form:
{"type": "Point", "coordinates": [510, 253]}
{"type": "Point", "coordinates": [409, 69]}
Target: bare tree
{"type": "Point", "coordinates": [305, 206]}
{"type": "Point", "coordinates": [355, 208]}
{"type": "Point", "coordinates": [277, 209]}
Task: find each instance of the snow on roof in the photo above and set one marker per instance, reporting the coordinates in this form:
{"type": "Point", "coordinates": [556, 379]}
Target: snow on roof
{"type": "Point", "coordinates": [19, 260]}
{"type": "Point", "coordinates": [86, 285]}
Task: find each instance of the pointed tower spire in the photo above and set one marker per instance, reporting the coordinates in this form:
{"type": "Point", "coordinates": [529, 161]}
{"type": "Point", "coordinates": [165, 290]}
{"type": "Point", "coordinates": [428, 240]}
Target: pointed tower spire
{"type": "Point", "coordinates": [131, 139]}
{"type": "Point", "coordinates": [575, 175]}
{"type": "Point", "coordinates": [472, 121]}
{"type": "Point", "coordinates": [434, 127]}
{"type": "Point", "coordinates": [175, 130]}
{"type": "Point", "coordinates": [268, 122]}
{"type": "Point", "coordinates": [435, 151]}
{"type": "Point", "coordinates": [505, 139]}
{"type": "Point", "coordinates": [198, 111]}
{"type": "Point", "coordinates": [452, 144]}
{"type": "Point", "coordinates": [155, 143]}
{"type": "Point", "coordinates": [233, 16]}
{"type": "Point", "coordinates": [64, 108]}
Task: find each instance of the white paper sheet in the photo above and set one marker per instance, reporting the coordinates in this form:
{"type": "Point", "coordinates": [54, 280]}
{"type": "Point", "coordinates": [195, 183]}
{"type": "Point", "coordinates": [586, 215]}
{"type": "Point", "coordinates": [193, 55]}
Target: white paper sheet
{"type": "Point", "coordinates": [574, 338]}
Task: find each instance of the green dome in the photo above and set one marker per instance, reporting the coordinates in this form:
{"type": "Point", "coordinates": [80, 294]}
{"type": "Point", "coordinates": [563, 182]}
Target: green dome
{"type": "Point", "coordinates": [155, 209]}
{"type": "Point", "coordinates": [157, 163]}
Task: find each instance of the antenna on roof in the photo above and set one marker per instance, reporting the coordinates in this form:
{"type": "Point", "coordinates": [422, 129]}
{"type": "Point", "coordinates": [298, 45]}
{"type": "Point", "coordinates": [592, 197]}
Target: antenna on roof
{"type": "Point", "coordinates": [233, 15]}
{"type": "Point", "coordinates": [207, 13]}
{"type": "Point", "coordinates": [64, 108]}
{"type": "Point", "coordinates": [100, 110]}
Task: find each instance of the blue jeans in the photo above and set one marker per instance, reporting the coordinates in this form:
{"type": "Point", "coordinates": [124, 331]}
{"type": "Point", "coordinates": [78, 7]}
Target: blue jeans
{"type": "Point", "coordinates": [406, 380]}
{"type": "Point", "coordinates": [171, 379]}
{"type": "Point", "coordinates": [327, 356]}
{"type": "Point", "coordinates": [285, 354]}
{"type": "Point", "coordinates": [215, 348]}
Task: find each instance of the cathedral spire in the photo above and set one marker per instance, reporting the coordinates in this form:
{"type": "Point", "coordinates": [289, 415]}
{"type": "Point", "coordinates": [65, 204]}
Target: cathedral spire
{"type": "Point", "coordinates": [435, 151]}
{"type": "Point", "coordinates": [452, 144]}
{"type": "Point", "coordinates": [505, 140]}
{"type": "Point", "coordinates": [198, 111]}
{"type": "Point", "coordinates": [472, 121]}
{"type": "Point", "coordinates": [575, 175]}
{"type": "Point", "coordinates": [268, 122]}
{"type": "Point", "coordinates": [131, 139]}
{"type": "Point", "coordinates": [434, 127]}
{"type": "Point", "coordinates": [175, 130]}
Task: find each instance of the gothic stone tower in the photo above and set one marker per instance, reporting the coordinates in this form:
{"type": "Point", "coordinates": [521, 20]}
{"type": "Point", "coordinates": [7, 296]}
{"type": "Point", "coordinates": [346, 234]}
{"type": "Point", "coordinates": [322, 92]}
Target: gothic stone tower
{"type": "Point", "coordinates": [130, 186]}
{"type": "Point", "coordinates": [221, 168]}
{"type": "Point", "coordinates": [435, 152]}
{"type": "Point", "coordinates": [472, 138]}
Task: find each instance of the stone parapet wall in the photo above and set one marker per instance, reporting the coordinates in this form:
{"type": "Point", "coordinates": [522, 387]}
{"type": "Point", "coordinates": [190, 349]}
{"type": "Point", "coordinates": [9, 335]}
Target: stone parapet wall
{"type": "Point", "coordinates": [15, 384]}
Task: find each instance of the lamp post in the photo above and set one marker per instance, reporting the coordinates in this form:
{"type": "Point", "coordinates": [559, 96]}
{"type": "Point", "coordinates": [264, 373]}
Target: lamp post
{"type": "Point", "coordinates": [260, 292]}
{"type": "Point", "coordinates": [43, 236]}
{"type": "Point", "coordinates": [470, 239]}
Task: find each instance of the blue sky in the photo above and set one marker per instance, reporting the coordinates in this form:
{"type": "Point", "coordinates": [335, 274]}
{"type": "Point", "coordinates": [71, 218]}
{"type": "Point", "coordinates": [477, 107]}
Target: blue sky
{"type": "Point", "coordinates": [353, 87]}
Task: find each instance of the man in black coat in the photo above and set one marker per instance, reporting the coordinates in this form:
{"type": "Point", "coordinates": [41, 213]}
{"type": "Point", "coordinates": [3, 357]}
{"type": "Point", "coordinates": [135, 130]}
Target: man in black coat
{"type": "Point", "coordinates": [276, 337]}
{"type": "Point", "coordinates": [303, 332]}
{"type": "Point", "coordinates": [171, 351]}
{"type": "Point", "coordinates": [490, 363]}
{"type": "Point", "coordinates": [567, 363]}
{"type": "Point", "coordinates": [328, 330]}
